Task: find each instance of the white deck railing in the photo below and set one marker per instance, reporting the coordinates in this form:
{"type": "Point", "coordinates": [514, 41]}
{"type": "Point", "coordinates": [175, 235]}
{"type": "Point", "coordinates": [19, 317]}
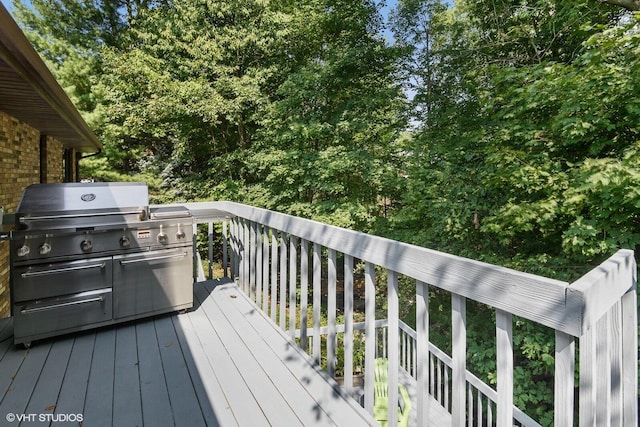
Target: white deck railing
{"type": "Point", "coordinates": [278, 259]}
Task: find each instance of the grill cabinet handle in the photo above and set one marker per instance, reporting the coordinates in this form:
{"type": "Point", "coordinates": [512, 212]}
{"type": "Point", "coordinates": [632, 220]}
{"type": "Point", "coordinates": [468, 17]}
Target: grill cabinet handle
{"type": "Point", "coordinates": [133, 261]}
{"type": "Point", "coordinates": [64, 304]}
{"type": "Point", "coordinates": [61, 270]}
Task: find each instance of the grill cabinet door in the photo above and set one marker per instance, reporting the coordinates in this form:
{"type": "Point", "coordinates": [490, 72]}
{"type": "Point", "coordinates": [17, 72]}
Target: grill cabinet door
{"type": "Point", "coordinates": [152, 282]}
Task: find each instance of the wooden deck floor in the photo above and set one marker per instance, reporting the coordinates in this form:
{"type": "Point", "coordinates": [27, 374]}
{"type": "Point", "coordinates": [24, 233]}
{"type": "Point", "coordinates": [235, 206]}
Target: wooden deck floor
{"type": "Point", "coordinates": [222, 364]}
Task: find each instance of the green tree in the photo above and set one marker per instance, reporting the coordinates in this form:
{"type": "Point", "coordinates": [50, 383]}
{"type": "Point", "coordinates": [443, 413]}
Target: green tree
{"type": "Point", "coordinates": [326, 140]}
{"type": "Point", "coordinates": [527, 156]}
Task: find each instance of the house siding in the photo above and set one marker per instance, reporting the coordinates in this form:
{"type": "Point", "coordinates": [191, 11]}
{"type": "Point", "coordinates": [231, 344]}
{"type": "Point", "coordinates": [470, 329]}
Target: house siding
{"type": "Point", "coordinates": [19, 168]}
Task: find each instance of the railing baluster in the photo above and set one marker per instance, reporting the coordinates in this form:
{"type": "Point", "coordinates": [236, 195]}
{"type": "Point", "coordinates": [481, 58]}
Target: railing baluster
{"type": "Point", "coordinates": [504, 344]}
{"type": "Point", "coordinates": [259, 265]}
{"type": "Point", "coordinates": [283, 281]}
{"type": "Point", "coordinates": [615, 359]}
{"type": "Point", "coordinates": [293, 284]}
{"type": "Point", "coordinates": [265, 270]}
{"type": "Point", "coordinates": [247, 257]}
{"type": "Point", "coordinates": [630, 354]}
{"type": "Point", "coordinates": [422, 331]}
{"type": "Point", "coordinates": [564, 379]}
{"type": "Point", "coordinates": [331, 312]}
{"type": "Point", "coordinates": [304, 291]}
{"type": "Point", "coordinates": [479, 409]}
{"type": "Point", "coordinates": [225, 250]}
{"type": "Point", "coordinates": [241, 254]}
{"type": "Point", "coordinates": [439, 368]}
{"type": "Point", "coordinates": [445, 386]}
{"type": "Point", "coordinates": [274, 274]}
{"type": "Point", "coordinates": [252, 260]}
{"type": "Point", "coordinates": [489, 413]}
{"type": "Point", "coordinates": [210, 237]}
{"type": "Point", "coordinates": [587, 378]}
{"type": "Point", "coordinates": [432, 375]}
{"type": "Point", "coordinates": [470, 408]}
{"type": "Point", "coordinates": [233, 246]}
{"type": "Point", "coordinates": [348, 322]}
{"type": "Point", "coordinates": [317, 299]}
{"type": "Point", "coordinates": [603, 373]}
{"type": "Point", "coordinates": [393, 313]}
{"type": "Point", "coordinates": [459, 357]}
{"type": "Point", "coordinates": [370, 334]}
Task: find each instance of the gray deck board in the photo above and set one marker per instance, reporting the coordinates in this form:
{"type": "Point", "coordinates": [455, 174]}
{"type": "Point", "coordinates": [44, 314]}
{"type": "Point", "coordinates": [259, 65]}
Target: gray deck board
{"type": "Point", "coordinates": [99, 398]}
{"type": "Point", "coordinates": [74, 386]}
{"type": "Point", "coordinates": [47, 389]}
{"type": "Point", "coordinates": [250, 374]}
{"type": "Point", "coordinates": [221, 364]}
{"type": "Point", "coordinates": [298, 374]}
{"type": "Point", "coordinates": [156, 407]}
{"type": "Point", "coordinates": [186, 410]}
{"type": "Point", "coordinates": [127, 407]}
{"type": "Point", "coordinates": [24, 380]}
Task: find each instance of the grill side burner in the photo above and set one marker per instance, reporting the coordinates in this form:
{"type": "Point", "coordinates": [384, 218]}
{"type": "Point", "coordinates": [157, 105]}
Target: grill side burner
{"type": "Point", "coordinates": [89, 255]}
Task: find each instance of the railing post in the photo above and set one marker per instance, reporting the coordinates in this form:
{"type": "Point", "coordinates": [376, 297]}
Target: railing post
{"type": "Point", "coordinates": [564, 379]}
{"type": "Point", "coordinates": [504, 344]}
{"type": "Point", "coordinates": [459, 357]}
{"type": "Point", "coordinates": [422, 332]}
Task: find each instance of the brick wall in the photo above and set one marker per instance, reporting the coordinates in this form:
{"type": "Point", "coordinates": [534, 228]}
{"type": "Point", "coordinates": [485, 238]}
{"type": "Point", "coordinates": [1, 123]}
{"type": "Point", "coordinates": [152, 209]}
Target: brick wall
{"type": "Point", "coordinates": [55, 160]}
{"type": "Point", "coordinates": [20, 167]}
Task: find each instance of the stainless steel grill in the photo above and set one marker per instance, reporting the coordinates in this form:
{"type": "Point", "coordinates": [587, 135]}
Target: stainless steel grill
{"type": "Point", "coordinates": [89, 255]}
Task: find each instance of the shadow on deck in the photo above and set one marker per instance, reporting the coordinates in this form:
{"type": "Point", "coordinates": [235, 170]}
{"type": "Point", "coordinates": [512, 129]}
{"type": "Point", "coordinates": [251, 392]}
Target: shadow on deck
{"type": "Point", "coordinates": [221, 364]}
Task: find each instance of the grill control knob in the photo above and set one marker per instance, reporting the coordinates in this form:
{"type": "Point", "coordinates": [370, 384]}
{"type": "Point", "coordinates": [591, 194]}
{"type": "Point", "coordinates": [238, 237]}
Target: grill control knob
{"type": "Point", "coordinates": [125, 241]}
{"type": "Point", "coordinates": [86, 245]}
{"type": "Point", "coordinates": [23, 250]}
{"type": "Point", "coordinates": [162, 237]}
{"type": "Point", "coordinates": [44, 249]}
{"type": "Point", "coordinates": [180, 234]}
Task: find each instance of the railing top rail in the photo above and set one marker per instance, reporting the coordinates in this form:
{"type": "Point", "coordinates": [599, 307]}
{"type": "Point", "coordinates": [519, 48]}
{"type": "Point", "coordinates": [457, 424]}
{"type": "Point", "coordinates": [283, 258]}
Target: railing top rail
{"type": "Point", "coordinates": [598, 290]}
{"type": "Point", "coordinates": [550, 302]}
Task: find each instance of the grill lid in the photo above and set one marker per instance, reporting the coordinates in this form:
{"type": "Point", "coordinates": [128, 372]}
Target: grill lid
{"type": "Point", "coordinates": [48, 205]}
